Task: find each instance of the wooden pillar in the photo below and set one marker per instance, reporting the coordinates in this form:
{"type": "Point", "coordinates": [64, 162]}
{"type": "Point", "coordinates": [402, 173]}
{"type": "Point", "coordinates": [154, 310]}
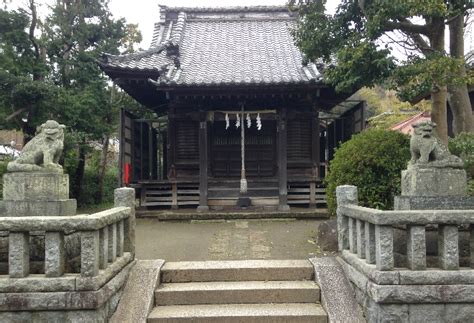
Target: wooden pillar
{"type": "Point", "coordinates": [315, 150]}
{"type": "Point", "coordinates": [142, 153]}
{"type": "Point", "coordinates": [203, 161]}
{"type": "Point", "coordinates": [164, 156]}
{"type": "Point", "coordinates": [315, 147]}
{"type": "Point", "coordinates": [151, 151]}
{"type": "Point", "coordinates": [171, 141]}
{"type": "Point", "coordinates": [172, 157]}
{"type": "Point", "coordinates": [282, 162]}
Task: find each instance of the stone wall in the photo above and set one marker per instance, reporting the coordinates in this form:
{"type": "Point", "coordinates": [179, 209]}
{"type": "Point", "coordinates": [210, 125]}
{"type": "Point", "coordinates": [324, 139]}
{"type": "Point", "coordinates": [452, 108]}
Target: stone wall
{"type": "Point", "coordinates": [408, 266]}
{"type": "Point", "coordinates": [66, 268]}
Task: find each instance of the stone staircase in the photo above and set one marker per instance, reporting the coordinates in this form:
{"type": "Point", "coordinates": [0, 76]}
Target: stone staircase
{"type": "Point", "coordinates": [238, 291]}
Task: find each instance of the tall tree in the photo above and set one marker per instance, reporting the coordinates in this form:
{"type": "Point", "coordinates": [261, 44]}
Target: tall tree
{"type": "Point", "coordinates": [458, 96]}
{"type": "Point", "coordinates": [353, 38]}
{"type": "Point", "coordinates": [26, 94]}
{"type": "Point", "coordinates": [48, 69]}
{"type": "Point", "coordinates": [80, 30]}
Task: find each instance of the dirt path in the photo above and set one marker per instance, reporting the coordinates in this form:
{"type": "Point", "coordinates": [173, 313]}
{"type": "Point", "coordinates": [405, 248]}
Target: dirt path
{"type": "Point", "coordinates": [224, 240]}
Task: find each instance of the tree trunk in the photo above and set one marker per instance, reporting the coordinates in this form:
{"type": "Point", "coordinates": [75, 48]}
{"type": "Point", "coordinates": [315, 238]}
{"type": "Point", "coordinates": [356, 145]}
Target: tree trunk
{"type": "Point", "coordinates": [102, 169]}
{"type": "Point", "coordinates": [79, 175]}
{"type": "Point", "coordinates": [439, 92]}
{"type": "Point", "coordinates": [458, 94]}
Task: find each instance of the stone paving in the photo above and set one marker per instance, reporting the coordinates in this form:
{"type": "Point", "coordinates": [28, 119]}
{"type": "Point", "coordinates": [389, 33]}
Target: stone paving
{"type": "Point", "coordinates": [227, 240]}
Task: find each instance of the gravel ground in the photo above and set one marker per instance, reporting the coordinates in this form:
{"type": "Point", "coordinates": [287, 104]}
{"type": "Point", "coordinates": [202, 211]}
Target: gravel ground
{"type": "Point", "coordinates": [226, 240]}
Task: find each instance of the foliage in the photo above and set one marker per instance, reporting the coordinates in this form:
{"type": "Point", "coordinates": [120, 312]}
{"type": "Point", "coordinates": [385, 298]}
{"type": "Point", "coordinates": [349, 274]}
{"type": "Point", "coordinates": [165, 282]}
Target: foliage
{"type": "Point", "coordinates": [359, 44]}
{"type": "Point", "coordinates": [3, 170]}
{"type": "Point", "coordinates": [463, 146]}
{"type": "Point", "coordinates": [418, 75]}
{"type": "Point", "coordinates": [88, 196]}
{"type": "Point", "coordinates": [48, 69]}
{"type": "Point", "coordinates": [384, 109]}
{"type": "Point", "coordinates": [352, 37]}
{"type": "Point", "coordinates": [372, 161]}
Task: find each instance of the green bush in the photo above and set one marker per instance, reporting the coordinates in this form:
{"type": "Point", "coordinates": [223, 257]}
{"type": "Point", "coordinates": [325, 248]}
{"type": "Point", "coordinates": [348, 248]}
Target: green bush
{"type": "Point", "coordinates": [372, 161]}
{"type": "Point", "coordinates": [463, 146]}
{"type": "Point", "coordinates": [90, 186]}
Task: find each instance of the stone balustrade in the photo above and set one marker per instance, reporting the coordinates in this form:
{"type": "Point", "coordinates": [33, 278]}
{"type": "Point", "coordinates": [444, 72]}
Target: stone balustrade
{"type": "Point", "coordinates": [407, 266]}
{"type": "Point", "coordinates": [102, 237]}
{"type": "Point", "coordinates": [102, 242]}
{"type": "Point", "coordinates": [367, 236]}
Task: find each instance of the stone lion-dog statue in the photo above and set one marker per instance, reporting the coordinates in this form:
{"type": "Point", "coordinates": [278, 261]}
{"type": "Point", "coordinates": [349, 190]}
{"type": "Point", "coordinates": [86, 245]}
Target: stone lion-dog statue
{"type": "Point", "coordinates": [428, 151]}
{"type": "Point", "coordinates": [42, 153]}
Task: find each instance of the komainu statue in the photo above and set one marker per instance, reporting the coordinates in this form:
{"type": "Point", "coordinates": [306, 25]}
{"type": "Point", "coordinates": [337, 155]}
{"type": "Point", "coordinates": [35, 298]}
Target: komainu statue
{"type": "Point", "coordinates": [42, 153]}
{"type": "Point", "coordinates": [427, 150]}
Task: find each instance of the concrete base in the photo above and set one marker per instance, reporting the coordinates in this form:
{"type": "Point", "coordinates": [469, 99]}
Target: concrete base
{"type": "Point", "coordinates": [258, 213]}
{"type": "Point", "coordinates": [337, 294]}
{"type": "Point", "coordinates": [434, 182]}
{"type": "Point", "coordinates": [40, 208]}
{"type": "Point", "coordinates": [244, 201]}
{"type": "Point", "coordinates": [434, 202]}
{"type": "Point", "coordinates": [138, 296]}
{"type": "Point", "coordinates": [203, 208]}
{"type": "Point", "coordinates": [284, 208]}
{"type": "Point", "coordinates": [31, 186]}
{"type": "Point", "coordinates": [429, 301]}
{"type": "Point", "coordinates": [36, 194]}
{"type": "Point", "coordinates": [421, 312]}
{"type": "Point", "coordinates": [65, 305]}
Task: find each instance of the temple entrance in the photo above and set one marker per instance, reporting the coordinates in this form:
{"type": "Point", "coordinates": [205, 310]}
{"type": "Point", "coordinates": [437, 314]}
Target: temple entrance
{"type": "Point", "coordinates": [260, 147]}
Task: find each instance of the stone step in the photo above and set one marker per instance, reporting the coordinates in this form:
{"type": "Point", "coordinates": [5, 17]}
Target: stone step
{"type": "Point", "coordinates": [236, 270]}
{"type": "Point", "coordinates": [248, 313]}
{"type": "Point", "coordinates": [248, 292]}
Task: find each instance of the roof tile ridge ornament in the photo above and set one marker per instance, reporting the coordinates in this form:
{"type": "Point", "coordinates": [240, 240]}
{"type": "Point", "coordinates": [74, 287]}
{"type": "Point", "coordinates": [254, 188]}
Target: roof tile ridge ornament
{"type": "Point", "coordinates": [172, 49]}
{"type": "Point", "coordinates": [158, 28]}
{"type": "Point", "coordinates": [177, 33]}
{"type": "Point", "coordinates": [276, 8]}
{"type": "Point", "coordinates": [107, 57]}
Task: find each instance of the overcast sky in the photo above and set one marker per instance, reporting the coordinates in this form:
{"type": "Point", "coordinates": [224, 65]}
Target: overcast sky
{"type": "Point", "coordinates": [145, 13]}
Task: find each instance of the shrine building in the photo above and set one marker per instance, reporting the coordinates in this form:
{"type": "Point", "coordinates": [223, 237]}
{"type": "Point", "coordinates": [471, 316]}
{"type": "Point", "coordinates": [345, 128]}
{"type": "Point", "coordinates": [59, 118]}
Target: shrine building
{"type": "Point", "coordinates": [239, 114]}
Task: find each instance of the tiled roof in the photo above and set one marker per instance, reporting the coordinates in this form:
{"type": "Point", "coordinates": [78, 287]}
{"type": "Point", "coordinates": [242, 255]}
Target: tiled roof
{"type": "Point", "coordinates": [406, 126]}
{"type": "Point", "coordinates": [221, 46]}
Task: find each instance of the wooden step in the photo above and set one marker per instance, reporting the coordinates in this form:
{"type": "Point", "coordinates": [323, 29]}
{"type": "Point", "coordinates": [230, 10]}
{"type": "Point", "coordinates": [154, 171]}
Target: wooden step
{"type": "Point", "coordinates": [236, 270]}
{"type": "Point", "coordinates": [242, 292]}
{"type": "Point", "coordinates": [230, 313]}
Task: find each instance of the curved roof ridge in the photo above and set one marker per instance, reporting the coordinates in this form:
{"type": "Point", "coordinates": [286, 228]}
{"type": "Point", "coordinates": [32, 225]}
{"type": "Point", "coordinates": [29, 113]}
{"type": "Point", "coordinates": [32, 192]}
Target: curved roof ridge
{"type": "Point", "coordinates": [177, 32]}
{"type": "Point", "coordinates": [275, 8]}
{"type": "Point", "coordinates": [137, 55]}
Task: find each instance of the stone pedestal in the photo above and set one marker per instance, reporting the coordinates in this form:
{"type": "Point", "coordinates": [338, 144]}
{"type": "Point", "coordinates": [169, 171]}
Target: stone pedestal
{"type": "Point", "coordinates": [434, 203]}
{"type": "Point", "coordinates": [434, 182]}
{"type": "Point", "coordinates": [37, 194]}
{"type": "Point", "coordinates": [434, 189]}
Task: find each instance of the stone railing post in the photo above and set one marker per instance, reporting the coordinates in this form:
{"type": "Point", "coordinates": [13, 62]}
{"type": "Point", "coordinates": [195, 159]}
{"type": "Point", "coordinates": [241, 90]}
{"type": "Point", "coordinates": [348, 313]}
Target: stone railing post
{"type": "Point", "coordinates": [351, 223]}
{"type": "Point", "coordinates": [416, 247]}
{"type": "Point", "coordinates": [360, 228]}
{"type": "Point", "coordinates": [18, 254]}
{"type": "Point", "coordinates": [89, 253]}
{"type": "Point", "coordinates": [103, 247]}
{"type": "Point", "coordinates": [125, 196]}
{"type": "Point", "coordinates": [369, 243]}
{"type": "Point", "coordinates": [120, 238]}
{"type": "Point", "coordinates": [112, 252]}
{"type": "Point", "coordinates": [471, 243]}
{"type": "Point", "coordinates": [384, 247]}
{"type": "Point", "coordinates": [345, 194]}
{"type": "Point", "coordinates": [54, 254]}
{"type": "Point", "coordinates": [448, 247]}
